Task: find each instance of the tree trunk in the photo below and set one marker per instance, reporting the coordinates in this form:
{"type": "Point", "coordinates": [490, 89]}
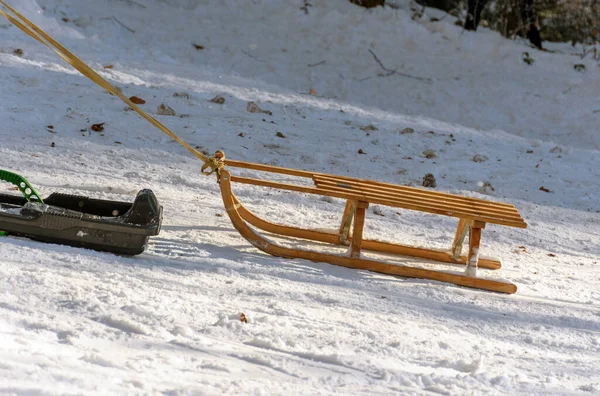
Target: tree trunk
{"type": "Point", "coordinates": [474, 8]}
{"type": "Point", "coordinates": [529, 17]}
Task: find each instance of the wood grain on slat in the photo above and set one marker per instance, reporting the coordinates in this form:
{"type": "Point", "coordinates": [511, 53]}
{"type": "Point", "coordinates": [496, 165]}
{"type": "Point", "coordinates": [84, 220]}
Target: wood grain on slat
{"type": "Point", "coordinates": [440, 205]}
{"type": "Point", "coordinates": [409, 199]}
{"type": "Point", "coordinates": [357, 231]}
{"type": "Point", "coordinates": [459, 237]}
{"type": "Point", "coordinates": [269, 168]}
{"type": "Point", "coordinates": [513, 221]}
{"type": "Point", "coordinates": [346, 220]}
{"type": "Point", "coordinates": [424, 196]}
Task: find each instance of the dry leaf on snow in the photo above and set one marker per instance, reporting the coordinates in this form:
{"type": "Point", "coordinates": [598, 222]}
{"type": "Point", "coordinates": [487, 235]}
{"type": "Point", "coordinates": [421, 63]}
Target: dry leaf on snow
{"type": "Point", "coordinates": [98, 127]}
{"type": "Point", "coordinates": [137, 100]}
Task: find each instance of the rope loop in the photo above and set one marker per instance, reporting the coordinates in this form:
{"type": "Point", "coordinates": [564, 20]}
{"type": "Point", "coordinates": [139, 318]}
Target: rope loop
{"type": "Point", "coordinates": [215, 163]}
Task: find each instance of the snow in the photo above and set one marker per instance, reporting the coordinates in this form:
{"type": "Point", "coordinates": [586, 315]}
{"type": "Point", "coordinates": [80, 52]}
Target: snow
{"type": "Point", "coordinates": [75, 321]}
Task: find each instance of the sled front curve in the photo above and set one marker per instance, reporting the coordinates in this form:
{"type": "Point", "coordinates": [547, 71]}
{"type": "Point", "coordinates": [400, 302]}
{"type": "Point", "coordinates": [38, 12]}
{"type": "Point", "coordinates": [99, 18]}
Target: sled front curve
{"type": "Point", "coordinates": [233, 208]}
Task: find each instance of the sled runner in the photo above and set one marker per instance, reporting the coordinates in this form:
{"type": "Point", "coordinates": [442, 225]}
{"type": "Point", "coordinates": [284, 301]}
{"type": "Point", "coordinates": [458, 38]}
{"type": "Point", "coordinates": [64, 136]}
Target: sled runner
{"type": "Point", "coordinates": [113, 226]}
{"type": "Point", "coordinates": [472, 214]}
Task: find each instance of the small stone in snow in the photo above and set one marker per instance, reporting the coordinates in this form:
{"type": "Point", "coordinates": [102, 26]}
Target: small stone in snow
{"type": "Point", "coordinates": [165, 110]}
{"type": "Point", "coordinates": [429, 181]}
{"type": "Point", "coordinates": [429, 154]}
{"type": "Point", "coordinates": [486, 187]}
{"type": "Point", "coordinates": [218, 99]}
{"type": "Point", "coordinates": [253, 108]}
{"type": "Point", "coordinates": [369, 127]}
{"type": "Point", "coordinates": [184, 95]}
{"type": "Point", "coordinates": [98, 127]}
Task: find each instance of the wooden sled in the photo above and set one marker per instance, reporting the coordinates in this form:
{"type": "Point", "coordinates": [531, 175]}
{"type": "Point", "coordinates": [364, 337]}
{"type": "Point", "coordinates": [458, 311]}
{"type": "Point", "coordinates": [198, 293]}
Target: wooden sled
{"type": "Point", "coordinates": [473, 214]}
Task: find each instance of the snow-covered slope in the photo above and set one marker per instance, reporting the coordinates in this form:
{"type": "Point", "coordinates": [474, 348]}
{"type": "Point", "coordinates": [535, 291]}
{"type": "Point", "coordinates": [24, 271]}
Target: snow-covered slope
{"type": "Point", "coordinates": [74, 321]}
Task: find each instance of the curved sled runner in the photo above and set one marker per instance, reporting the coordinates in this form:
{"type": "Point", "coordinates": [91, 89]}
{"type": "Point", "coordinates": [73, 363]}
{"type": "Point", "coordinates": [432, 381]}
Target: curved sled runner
{"type": "Point", "coordinates": [473, 214]}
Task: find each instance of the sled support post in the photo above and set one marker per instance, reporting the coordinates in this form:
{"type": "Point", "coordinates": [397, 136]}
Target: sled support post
{"type": "Point", "coordinates": [473, 215]}
{"type": "Point", "coordinates": [347, 220]}
{"type": "Point", "coordinates": [474, 239]}
{"type": "Point", "coordinates": [357, 232]}
{"type": "Point", "coordinates": [459, 238]}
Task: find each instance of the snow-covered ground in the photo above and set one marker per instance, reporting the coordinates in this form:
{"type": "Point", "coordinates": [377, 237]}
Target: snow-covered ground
{"type": "Point", "coordinates": [75, 321]}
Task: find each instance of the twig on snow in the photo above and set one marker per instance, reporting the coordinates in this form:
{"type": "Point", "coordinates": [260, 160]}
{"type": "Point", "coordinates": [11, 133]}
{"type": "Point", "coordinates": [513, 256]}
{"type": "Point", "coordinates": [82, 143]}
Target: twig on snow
{"type": "Point", "coordinates": [317, 64]}
{"type": "Point", "coordinates": [389, 72]}
{"type": "Point", "coordinates": [385, 69]}
{"type": "Point", "coordinates": [120, 23]}
{"type": "Point", "coordinates": [134, 3]}
{"type": "Point", "coordinates": [126, 27]}
{"type": "Point", "coordinates": [253, 57]}
{"type": "Point", "coordinates": [305, 7]}
{"type": "Point", "coordinates": [592, 50]}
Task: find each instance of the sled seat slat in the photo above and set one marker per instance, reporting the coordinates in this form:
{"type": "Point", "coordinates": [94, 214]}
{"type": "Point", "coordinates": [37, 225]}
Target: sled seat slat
{"type": "Point", "coordinates": [412, 199]}
{"type": "Point", "coordinates": [414, 192]}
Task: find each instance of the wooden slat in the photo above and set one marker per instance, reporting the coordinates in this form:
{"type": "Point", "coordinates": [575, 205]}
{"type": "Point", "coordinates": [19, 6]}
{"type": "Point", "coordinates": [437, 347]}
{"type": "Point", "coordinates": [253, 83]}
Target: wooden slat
{"type": "Point", "coordinates": [428, 202]}
{"type": "Point", "coordinates": [347, 220]}
{"type": "Point", "coordinates": [473, 256]}
{"type": "Point", "coordinates": [292, 187]}
{"type": "Point", "coordinates": [431, 254]}
{"type": "Point", "coordinates": [423, 191]}
{"type": "Point", "coordinates": [268, 168]}
{"type": "Point", "coordinates": [424, 195]}
{"type": "Point", "coordinates": [437, 209]}
{"type": "Point", "coordinates": [357, 231]}
{"type": "Point", "coordinates": [459, 238]}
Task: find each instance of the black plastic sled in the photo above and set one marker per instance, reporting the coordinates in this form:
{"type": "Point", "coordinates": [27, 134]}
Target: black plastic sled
{"type": "Point", "coordinates": [112, 226]}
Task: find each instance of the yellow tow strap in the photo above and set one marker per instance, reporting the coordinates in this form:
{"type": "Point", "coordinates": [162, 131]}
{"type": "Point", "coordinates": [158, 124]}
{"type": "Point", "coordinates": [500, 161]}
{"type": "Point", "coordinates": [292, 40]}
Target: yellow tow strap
{"type": "Point", "coordinates": [34, 31]}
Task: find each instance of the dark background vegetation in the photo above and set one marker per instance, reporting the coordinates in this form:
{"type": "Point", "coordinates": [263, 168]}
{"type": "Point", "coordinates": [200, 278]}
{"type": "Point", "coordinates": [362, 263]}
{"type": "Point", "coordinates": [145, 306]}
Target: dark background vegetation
{"type": "Point", "coordinates": [575, 21]}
